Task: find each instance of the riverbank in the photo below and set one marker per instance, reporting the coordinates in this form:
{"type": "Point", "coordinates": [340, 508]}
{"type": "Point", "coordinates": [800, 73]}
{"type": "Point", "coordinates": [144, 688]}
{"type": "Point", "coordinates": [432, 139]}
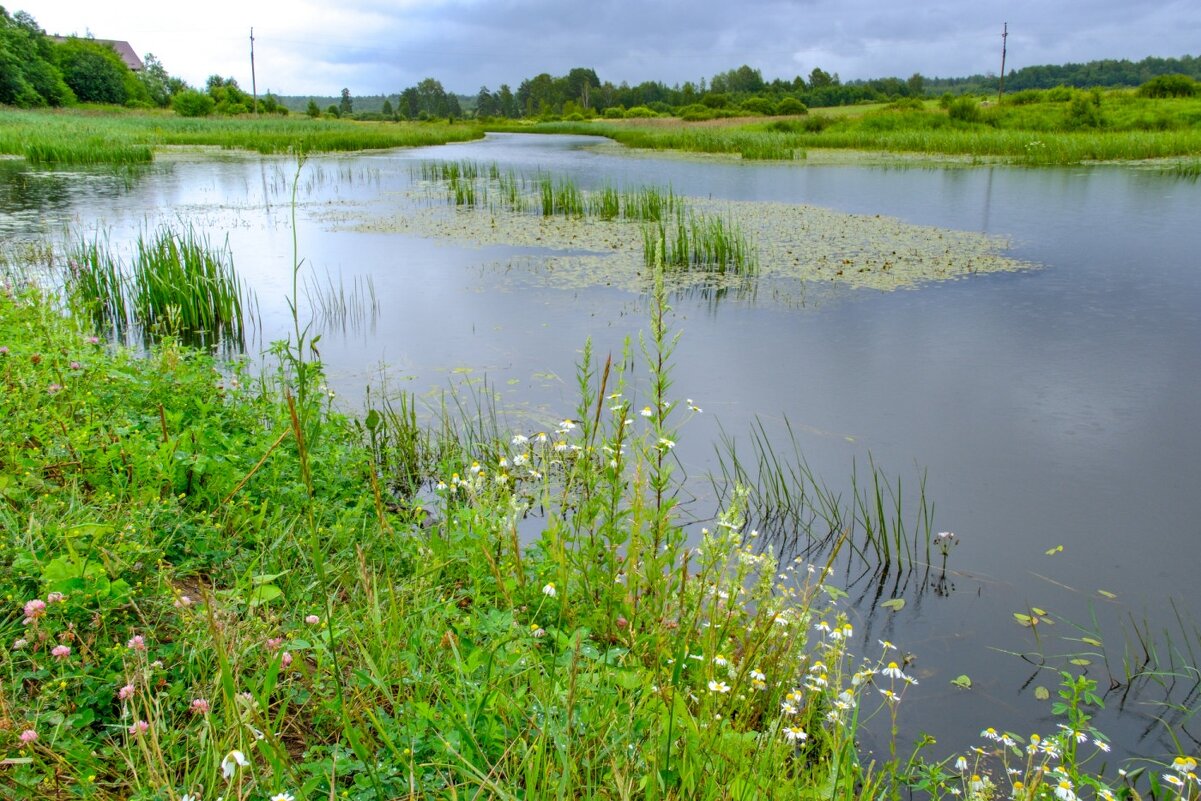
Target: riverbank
{"type": "Point", "coordinates": [217, 584]}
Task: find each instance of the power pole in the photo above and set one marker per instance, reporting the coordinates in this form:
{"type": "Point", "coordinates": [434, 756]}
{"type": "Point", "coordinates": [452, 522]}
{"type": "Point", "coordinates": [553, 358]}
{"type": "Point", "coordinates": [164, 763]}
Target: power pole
{"type": "Point", "coordinates": [1001, 86]}
{"type": "Point", "coordinates": [254, 86]}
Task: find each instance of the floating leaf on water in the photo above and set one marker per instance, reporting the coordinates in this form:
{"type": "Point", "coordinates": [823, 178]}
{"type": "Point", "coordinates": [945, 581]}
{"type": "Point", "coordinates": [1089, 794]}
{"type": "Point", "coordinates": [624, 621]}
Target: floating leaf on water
{"type": "Point", "coordinates": [1081, 662]}
{"type": "Point", "coordinates": [1107, 593]}
{"type": "Point", "coordinates": [1025, 620]}
{"type": "Point", "coordinates": [1042, 693]}
{"type": "Point", "coordinates": [1091, 641]}
{"type": "Point", "coordinates": [895, 604]}
{"type": "Point", "coordinates": [834, 592]}
{"type": "Point", "coordinates": [962, 681]}
{"type": "Point", "coordinates": [1055, 550]}
{"type": "Point", "coordinates": [1039, 612]}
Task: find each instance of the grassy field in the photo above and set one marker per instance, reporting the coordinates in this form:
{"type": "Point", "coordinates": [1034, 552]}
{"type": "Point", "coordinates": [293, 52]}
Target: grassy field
{"type": "Point", "coordinates": [1034, 128]}
{"type": "Point", "coordinates": [116, 136]}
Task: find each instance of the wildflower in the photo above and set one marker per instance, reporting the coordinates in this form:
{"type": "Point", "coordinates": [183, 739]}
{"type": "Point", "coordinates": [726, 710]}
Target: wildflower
{"type": "Point", "coordinates": [961, 764]}
{"type": "Point", "coordinates": [795, 734]}
{"type": "Point", "coordinates": [440, 486]}
{"type": "Point", "coordinates": [125, 693]}
{"type": "Point", "coordinates": [233, 760]}
{"type": "Point", "coordinates": [312, 620]}
{"type": "Point", "coordinates": [55, 598]}
{"type": "Point", "coordinates": [666, 443]}
{"type": "Point", "coordinates": [977, 784]}
{"type": "Point", "coordinates": [76, 366]}
{"type": "Point", "coordinates": [823, 627]}
{"type": "Point", "coordinates": [34, 609]}
{"type": "Point", "coordinates": [200, 706]}
{"type": "Point", "coordinates": [274, 643]}
{"type": "Point", "coordinates": [1174, 780]}
{"type": "Point", "coordinates": [139, 727]}
{"type": "Point", "coordinates": [20, 643]}
{"type": "Point", "coordinates": [182, 602]}
{"type": "Point", "coordinates": [647, 411]}
{"type": "Point", "coordinates": [892, 671]}
{"type": "Point", "coordinates": [566, 425]}
{"type": "Point", "coordinates": [537, 631]}
{"type": "Point", "coordinates": [519, 439]}
{"type": "Point", "coordinates": [285, 659]}
{"type": "Point", "coordinates": [720, 661]}
{"type": "Point", "coordinates": [692, 407]}
{"type": "Point", "coordinates": [541, 438]}
{"type": "Point", "coordinates": [136, 643]}
{"type": "Point", "coordinates": [1101, 744]}
{"type": "Point", "coordinates": [757, 676]}
{"type": "Point", "coordinates": [1064, 791]}
{"type": "Point", "coordinates": [282, 797]}
{"type": "Point", "coordinates": [3, 350]}
{"type": "Point", "coordinates": [54, 389]}
{"type": "Point", "coordinates": [1184, 764]}
{"type": "Point", "coordinates": [29, 736]}
{"type": "Point", "coordinates": [886, 645]}
{"type": "Point", "coordinates": [60, 652]}
{"type": "Point", "coordinates": [787, 709]}
{"type": "Point", "coordinates": [549, 590]}
{"type": "Point", "coordinates": [718, 686]}
{"type": "Point", "coordinates": [93, 340]}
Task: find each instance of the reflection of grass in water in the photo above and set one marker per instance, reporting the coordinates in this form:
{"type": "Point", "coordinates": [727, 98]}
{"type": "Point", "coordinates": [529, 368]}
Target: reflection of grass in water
{"type": "Point", "coordinates": [334, 304]}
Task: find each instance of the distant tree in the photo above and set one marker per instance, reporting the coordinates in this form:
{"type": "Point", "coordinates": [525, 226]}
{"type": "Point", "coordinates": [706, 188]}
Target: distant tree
{"type": "Point", "coordinates": [387, 110]}
{"type": "Point", "coordinates": [485, 103]}
{"type": "Point", "coordinates": [313, 110]}
{"type": "Point", "coordinates": [917, 85]}
{"type": "Point", "coordinates": [228, 96]}
{"type": "Point", "coordinates": [791, 106]}
{"type": "Point", "coordinates": [333, 111]}
{"type": "Point", "coordinates": [819, 79]}
{"type": "Point", "coordinates": [579, 86]}
{"type": "Point", "coordinates": [156, 81]}
{"type": "Point", "coordinates": [505, 101]}
{"type": "Point", "coordinates": [95, 73]}
{"type": "Point", "coordinates": [346, 107]}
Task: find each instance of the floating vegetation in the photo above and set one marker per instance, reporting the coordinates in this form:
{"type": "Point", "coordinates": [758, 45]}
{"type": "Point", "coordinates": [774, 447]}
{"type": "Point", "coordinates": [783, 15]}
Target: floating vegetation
{"type": "Point", "coordinates": [1185, 169]}
{"type": "Point", "coordinates": [176, 282]}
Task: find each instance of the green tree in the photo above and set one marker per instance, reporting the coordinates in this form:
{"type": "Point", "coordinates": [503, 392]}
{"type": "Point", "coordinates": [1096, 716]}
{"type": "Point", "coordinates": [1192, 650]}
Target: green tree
{"type": "Point", "coordinates": [95, 73]}
{"type": "Point", "coordinates": [28, 74]}
{"type": "Point", "coordinates": [155, 81]}
{"type": "Point", "coordinates": [190, 103]}
{"type": "Point", "coordinates": [346, 107]}
{"type": "Point", "coordinates": [387, 110]}
{"type": "Point", "coordinates": [313, 110]}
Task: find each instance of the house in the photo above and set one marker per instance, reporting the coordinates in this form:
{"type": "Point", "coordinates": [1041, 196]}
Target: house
{"type": "Point", "coordinates": [122, 48]}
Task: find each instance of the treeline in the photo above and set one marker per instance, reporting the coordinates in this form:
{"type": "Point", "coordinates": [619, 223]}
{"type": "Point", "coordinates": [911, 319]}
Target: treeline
{"type": "Point", "coordinates": [1104, 73]}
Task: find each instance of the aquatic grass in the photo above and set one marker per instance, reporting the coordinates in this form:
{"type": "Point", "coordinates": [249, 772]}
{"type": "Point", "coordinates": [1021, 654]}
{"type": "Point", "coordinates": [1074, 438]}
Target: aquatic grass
{"type": "Point", "coordinates": [335, 304]}
{"type": "Point", "coordinates": [175, 282]}
{"type": "Point", "coordinates": [71, 152]}
{"type": "Point", "coordinates": [695, 241]}
{"type": "Point", "coordinates": [789, 503]}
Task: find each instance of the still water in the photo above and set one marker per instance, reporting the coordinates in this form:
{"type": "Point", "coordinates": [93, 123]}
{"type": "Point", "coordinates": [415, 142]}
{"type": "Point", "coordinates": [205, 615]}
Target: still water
{"type": "Point", "coordinates": [1054, 406]}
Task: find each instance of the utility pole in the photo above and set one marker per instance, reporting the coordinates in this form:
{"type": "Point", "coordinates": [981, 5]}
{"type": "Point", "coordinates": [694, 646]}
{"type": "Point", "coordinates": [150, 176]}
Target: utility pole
{"type": "Point", "coordinates": [254, 86]}
{"type": "Point", "coordinates": [1001, 86]}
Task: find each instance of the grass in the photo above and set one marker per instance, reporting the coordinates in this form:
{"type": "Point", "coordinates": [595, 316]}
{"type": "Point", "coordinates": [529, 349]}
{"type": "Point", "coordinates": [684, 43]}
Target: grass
{"type": "Point", "coordinates": [111, 136]}
{"type": "Point", "coordinates": [697, 242]}
{"type": "Point", "coordinates": [218, 583]}
{"type": "Point", "coordinates": [175, 282]}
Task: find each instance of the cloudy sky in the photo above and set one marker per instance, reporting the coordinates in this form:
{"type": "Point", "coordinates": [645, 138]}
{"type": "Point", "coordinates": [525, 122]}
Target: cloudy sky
{"type": "Point", "coordinates": [381, 46]}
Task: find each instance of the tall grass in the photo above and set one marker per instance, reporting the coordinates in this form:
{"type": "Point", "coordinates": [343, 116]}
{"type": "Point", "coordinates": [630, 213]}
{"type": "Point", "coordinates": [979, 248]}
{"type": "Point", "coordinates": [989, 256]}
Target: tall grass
{"type": "Point", "coordinates": [64, 137]}
{"type": "Point", "coordinates": [175, 282]}
{"type": "Point", "coordinates": [700, 242]}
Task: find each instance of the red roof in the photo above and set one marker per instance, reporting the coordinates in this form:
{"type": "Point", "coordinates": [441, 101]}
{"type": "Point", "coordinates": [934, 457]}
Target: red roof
{"type": "Point", "coordinates": [123, 49]}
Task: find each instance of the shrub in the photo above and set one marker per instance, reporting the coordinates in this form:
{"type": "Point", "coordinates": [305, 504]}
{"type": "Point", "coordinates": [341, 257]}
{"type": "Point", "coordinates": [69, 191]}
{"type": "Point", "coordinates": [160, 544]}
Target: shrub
{"type": "Point", "coordinates": [964, 109]}
{"type": "Point", "coordinates": [759, 105]}
{"type": "Point", "coordinates": [190, 103]}
{"type": "Point", "coordinates": [696, 113]}
{"type": "Point", "coordinates": [791, 107]}
{"type": "Point", "coordinates": [1085, 111]}
{"type": "Point", "coordinates": [614, 113]}
{"type": "Point", "coordinates": [1175, 85]}
{"type": "Point", "coordinates": [639, 111]}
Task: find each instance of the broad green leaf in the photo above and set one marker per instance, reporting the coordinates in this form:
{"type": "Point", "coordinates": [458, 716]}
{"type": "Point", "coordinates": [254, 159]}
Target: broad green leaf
{"type": "Point", "coordinates": [962, 681]}
{"type": "Point", "coordinates": [895, 604]}
{"type": "Point", "coordinates": [1042, 693]}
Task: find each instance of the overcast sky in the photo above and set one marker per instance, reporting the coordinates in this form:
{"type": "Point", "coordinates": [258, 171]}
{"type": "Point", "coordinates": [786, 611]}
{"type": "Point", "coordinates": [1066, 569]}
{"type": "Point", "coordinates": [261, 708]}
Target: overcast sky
{"type": "Point", "coordinates": [382, 46]}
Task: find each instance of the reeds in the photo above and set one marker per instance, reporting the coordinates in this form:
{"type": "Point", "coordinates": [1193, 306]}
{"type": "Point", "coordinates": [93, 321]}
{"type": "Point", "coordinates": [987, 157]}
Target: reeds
{"type": "Point", "coordinates": [176, 282]}
{"type": "Point", "coordinates": [701, 242]}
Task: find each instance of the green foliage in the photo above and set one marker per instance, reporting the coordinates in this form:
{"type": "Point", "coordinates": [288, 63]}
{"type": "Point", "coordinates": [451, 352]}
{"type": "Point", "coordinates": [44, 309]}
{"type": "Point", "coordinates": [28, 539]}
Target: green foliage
{"type": "Point", "coordinates": [312, 110]}
{"type": "Point", "coordinates": [964, 109]}
{"type": "Point", "coordinates": [1175, 85]}
{"type": "Point", "coordinates": [29, 75]}
{"type": "Point", "coordinates": [639, 112]}
{"type": "Point", "coordinates": [790, 106]}
{"type": "Point", "coordinates": [94, 71]}
{"type": "Point", "coordinates": [345, 106]}
{"type": "Point", "coordinates": [1085, 111]}
{"type": "Point", "coordinates": [191, 103]}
